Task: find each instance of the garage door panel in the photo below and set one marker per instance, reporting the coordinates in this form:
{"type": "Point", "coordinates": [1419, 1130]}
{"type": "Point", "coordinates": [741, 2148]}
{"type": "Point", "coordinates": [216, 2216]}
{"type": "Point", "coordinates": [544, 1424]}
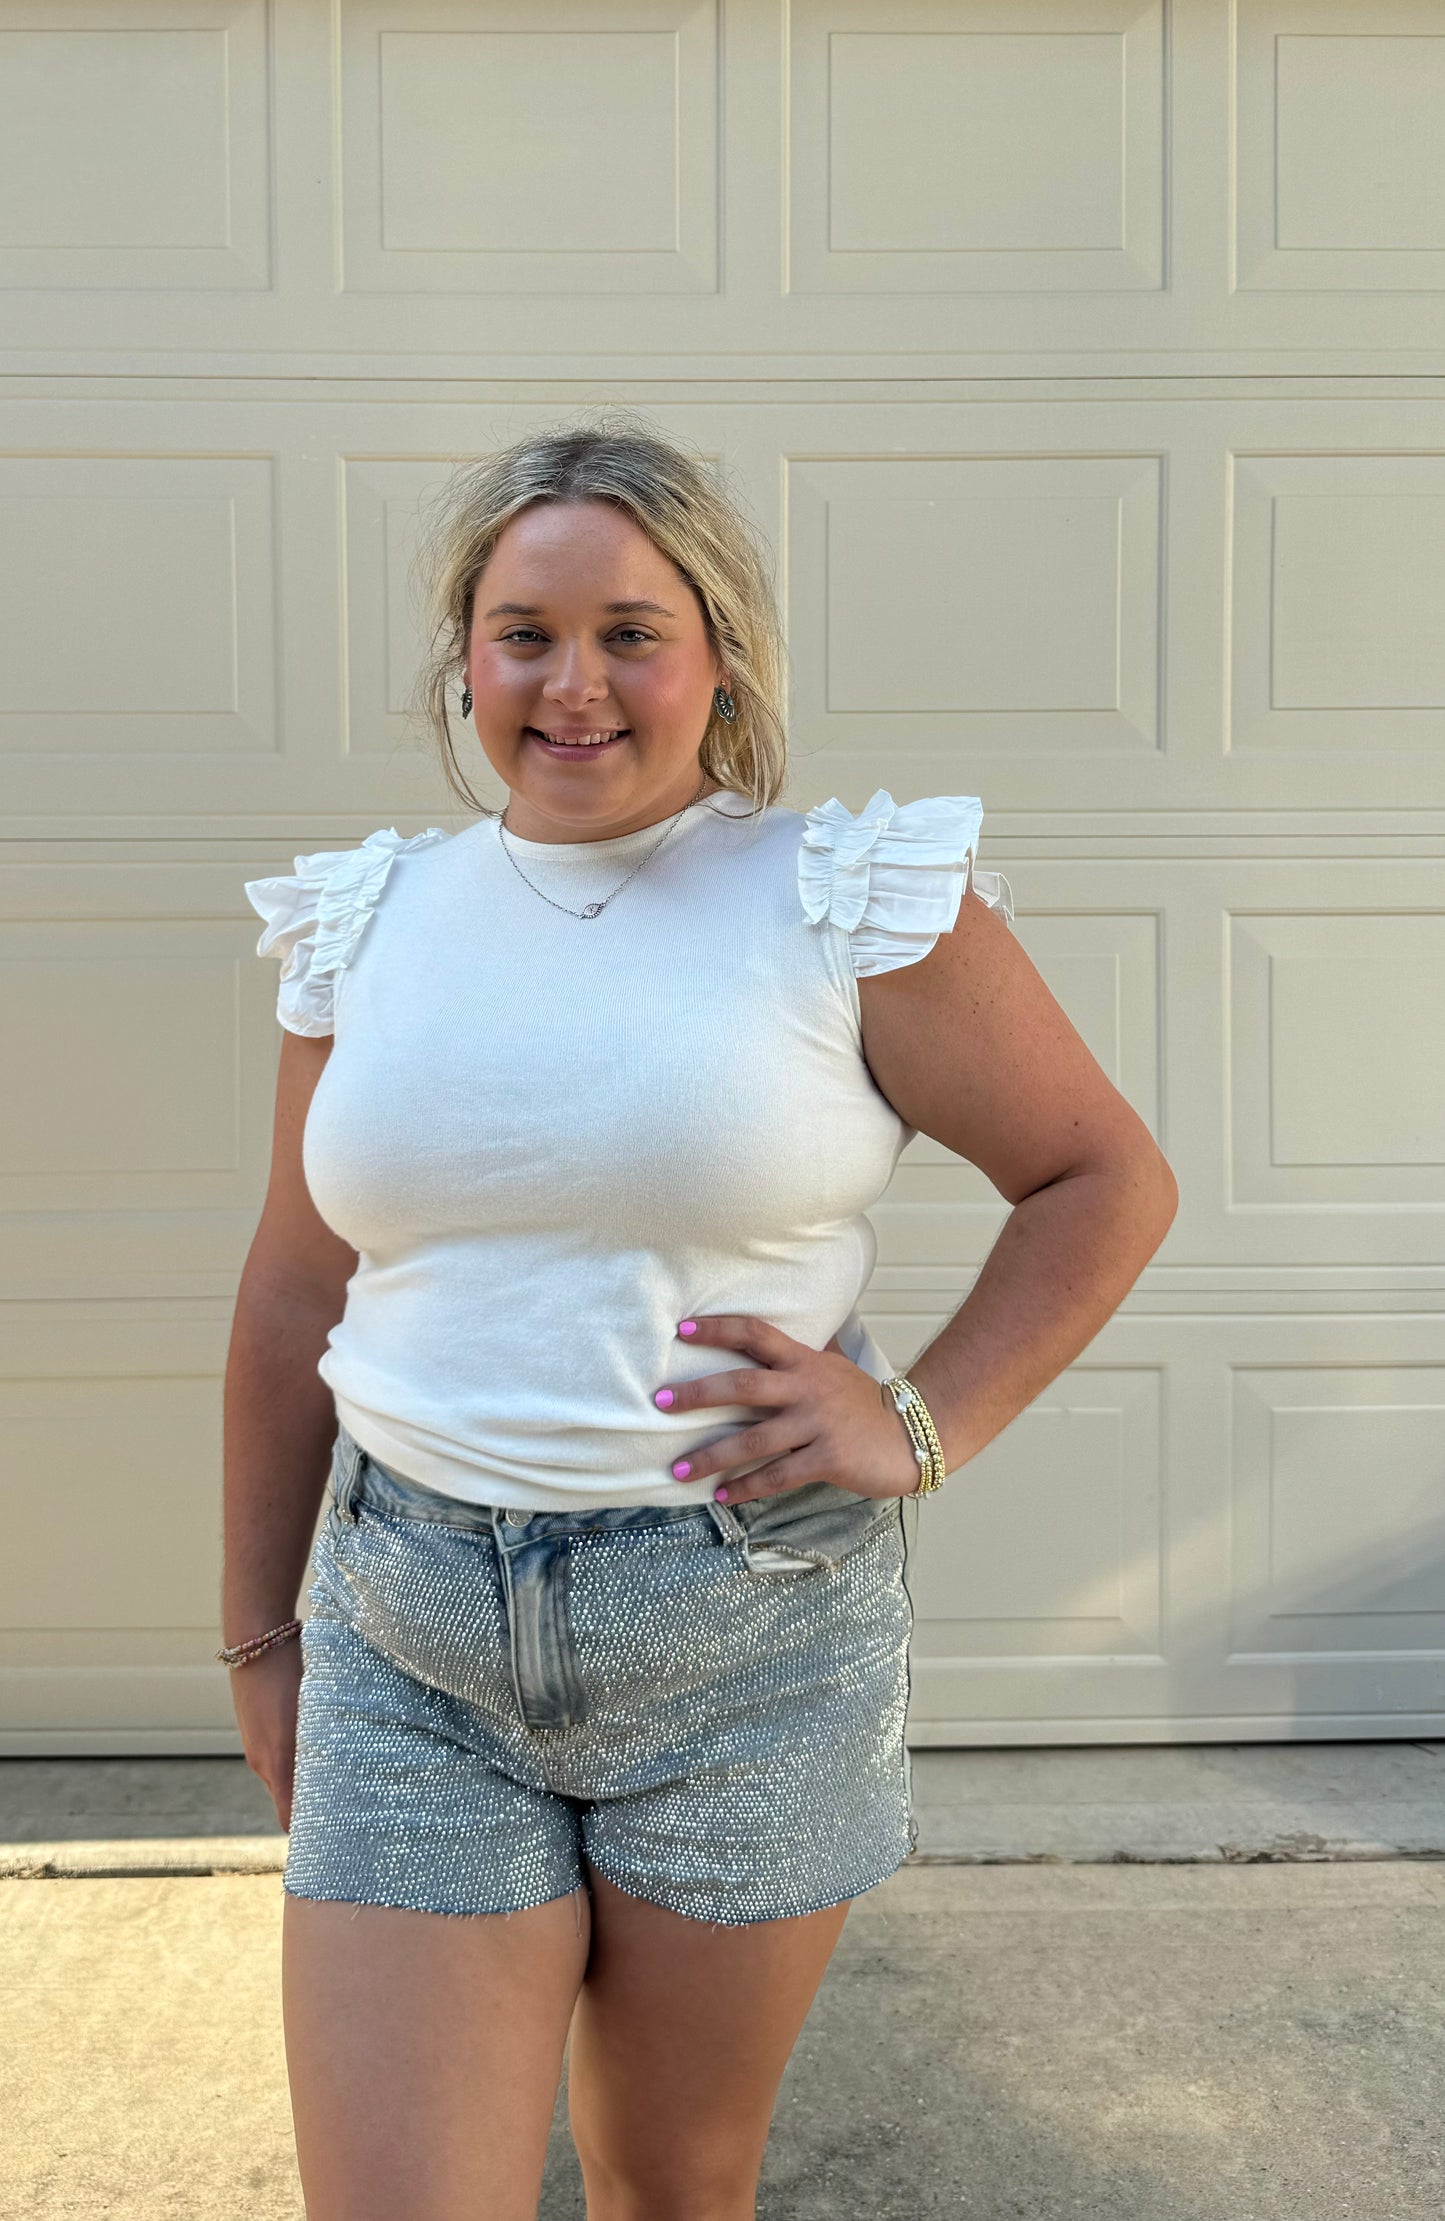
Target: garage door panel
{"type": "Point", "coordinates": [938, 147]}
{"type": "Point", "coordinates": [1337, 1068]}
{"type": "Point", "coordinates": [135, 1132]}
{"type": "Point", "coordinates": [1339, 167]}
{"type": "Point", "coordinates": [573, 150]}
{"type": "Point", "coordinates": [938, 603]}
{"type": "Point", "coordinates": [140, 598]}
{"type": "Point", "coordinates": [188, 81]}
{"type": "Point", "coordinates": [374, 197]}
{"type": "Point", "coordinates": [91, 1451]}
{"type": "Point", "coordinates": [1297, 1084]}
{"type": "Point", "coordinates": [157, 1102]}
{"type": "Point", "coordinates": [1338, 1510]}
{"type": "Point", "coordinates": [110, 1428]}
{"type": "Point", "coordinates": [175, 638]}
{"type": "Point", "coordinates": [1304, 1598]}
{"type": "Point", "coordinates": [1338, 569]}
{"type": "Point", "coordinates": [1304, 1081]}
{"type": "Point", "coordinates": [1052, 1549]}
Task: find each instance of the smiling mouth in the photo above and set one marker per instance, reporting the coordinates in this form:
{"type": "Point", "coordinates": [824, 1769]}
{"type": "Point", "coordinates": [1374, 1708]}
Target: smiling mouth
{"type": "Point", "coordinates": [580, 744]}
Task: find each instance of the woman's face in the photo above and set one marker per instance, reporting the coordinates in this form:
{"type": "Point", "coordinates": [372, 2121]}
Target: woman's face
{"type": "Point", "coordinates": [581, 625]}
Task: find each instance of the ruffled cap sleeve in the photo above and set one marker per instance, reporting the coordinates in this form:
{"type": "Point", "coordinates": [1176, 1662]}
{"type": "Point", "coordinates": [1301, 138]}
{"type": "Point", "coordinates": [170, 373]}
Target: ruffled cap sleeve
{"type": "Point", "coordinates": [315, 917]}
{"type": "Point", "coordinates": [893, 876]}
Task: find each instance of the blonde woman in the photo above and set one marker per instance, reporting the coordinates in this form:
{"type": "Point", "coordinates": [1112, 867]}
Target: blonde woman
{"type": "Point", "coordinates": [595, 1725]}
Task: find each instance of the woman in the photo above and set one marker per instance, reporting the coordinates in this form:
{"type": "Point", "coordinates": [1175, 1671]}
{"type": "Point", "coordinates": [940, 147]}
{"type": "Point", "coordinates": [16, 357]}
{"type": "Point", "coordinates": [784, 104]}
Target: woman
{"type": "Point", "coordinates": [601, 1717]}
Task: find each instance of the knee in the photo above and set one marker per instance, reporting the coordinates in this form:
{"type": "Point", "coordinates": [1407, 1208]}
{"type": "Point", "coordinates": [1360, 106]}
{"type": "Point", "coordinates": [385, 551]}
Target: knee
{"type": "Point", "coordinates": [696, 2192]}
{"type": "Point", "coordinates": [664, 2206]}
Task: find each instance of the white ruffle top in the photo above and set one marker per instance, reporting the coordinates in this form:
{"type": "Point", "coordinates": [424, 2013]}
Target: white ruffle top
{"type": "Point", "coordinates": [549, 1138]}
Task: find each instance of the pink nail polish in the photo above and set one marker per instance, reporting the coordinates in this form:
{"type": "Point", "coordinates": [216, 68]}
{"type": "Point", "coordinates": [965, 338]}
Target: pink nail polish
{"type": "Point", "coordinates": [663, 1397]}
{"type": "Point", "coordinates": [720, 1495]}
{"type": "Point", "coordinates": [681, 1470]}
{"type": "Point", "coordinates": [688, 1326]}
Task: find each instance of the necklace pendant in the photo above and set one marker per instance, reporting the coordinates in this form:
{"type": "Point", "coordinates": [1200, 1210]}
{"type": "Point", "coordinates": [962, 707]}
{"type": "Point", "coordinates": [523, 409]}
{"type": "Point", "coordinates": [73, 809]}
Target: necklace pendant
{"type": "Point", "coordinates": [591, 910]}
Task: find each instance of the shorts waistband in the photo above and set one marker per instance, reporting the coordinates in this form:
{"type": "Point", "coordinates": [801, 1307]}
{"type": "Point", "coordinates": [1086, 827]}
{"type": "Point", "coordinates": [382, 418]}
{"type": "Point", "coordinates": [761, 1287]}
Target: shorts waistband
{"type": "Point", "coordinates": [359, 1478]}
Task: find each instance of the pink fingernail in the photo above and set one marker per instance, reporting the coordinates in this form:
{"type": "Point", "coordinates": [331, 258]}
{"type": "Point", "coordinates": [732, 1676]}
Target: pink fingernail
{"type": "Point", "coordinates": [681, 1470]}
{"type": "Point", "coordinates": [720, 1495]}
{"type": "Point", "coordinates": [688, 1326]}
{"type": "Point", "coordinates": [663, 1397]}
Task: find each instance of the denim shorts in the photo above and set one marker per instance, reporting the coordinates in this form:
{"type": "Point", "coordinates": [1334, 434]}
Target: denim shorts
{"type": "Point", "coordinates": [706, 1700]}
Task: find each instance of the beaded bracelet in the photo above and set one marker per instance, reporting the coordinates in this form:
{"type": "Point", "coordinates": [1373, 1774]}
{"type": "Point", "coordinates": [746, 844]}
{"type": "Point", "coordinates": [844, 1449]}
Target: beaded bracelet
{"type": "Point", "coordinates": [241, 1654]}
{"type": "Point", "coordinates": [927, 1449]}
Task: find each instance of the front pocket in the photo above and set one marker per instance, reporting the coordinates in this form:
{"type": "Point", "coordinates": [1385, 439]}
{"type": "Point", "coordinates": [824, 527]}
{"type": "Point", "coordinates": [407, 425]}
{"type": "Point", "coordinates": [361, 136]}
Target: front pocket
{"type": "Point", "coordinates": [425, 1595]}
{"type": "Point", "coordinates": [809, 1529]}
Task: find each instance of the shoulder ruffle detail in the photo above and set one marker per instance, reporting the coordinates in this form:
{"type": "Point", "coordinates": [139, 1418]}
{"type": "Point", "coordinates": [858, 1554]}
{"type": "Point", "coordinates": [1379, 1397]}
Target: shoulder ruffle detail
{"type": "Point", "coordinates": [893, 875]}
{"type": "Point", "coordinates": [315, 917]}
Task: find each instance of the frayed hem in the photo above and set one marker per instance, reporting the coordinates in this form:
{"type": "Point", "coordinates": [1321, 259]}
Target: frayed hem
{"type": "Point", "coordinates": [578, 1891]}
{"type": "Point", "coordinates": [759, 1920]}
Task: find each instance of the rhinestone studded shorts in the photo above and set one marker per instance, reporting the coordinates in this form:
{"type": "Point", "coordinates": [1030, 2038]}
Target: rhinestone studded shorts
{"type": "Point", "coordinates": [706, 1702]}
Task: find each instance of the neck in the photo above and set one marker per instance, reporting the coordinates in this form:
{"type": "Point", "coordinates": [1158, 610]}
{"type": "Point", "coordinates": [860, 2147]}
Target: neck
{"type": "Point", "coordinates": [547, 833]}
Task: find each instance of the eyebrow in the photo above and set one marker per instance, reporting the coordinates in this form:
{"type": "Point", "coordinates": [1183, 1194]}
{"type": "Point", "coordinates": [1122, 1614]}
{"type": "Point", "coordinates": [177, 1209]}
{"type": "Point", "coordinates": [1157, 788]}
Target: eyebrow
{"type": "Point", "coordinates": [613, 609]}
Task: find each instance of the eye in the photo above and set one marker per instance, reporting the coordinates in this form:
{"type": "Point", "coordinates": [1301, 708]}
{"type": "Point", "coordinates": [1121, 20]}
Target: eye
{"type": "Point", "coordinates": [636, 631]}
{"type": "Point", "coordinates": [520, 629]}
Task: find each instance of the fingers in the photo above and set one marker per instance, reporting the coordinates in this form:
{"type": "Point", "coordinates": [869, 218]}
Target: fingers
{"type": "Point", "coordinates": [741, 1386]}
{"type": "Point", "coordinates": [771, 1382]}
{"type": "Point", "coordinates": [746, 1448]}
{"type": "Point", "coordinates": [791, 1471]}
{"type": "Point", "coordinates": [735, 1330]}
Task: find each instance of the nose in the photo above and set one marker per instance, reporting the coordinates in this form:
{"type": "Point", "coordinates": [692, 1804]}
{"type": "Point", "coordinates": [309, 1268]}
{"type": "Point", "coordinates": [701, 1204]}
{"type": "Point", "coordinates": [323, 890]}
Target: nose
{"type": "Point", "coordinates": [577, 676]}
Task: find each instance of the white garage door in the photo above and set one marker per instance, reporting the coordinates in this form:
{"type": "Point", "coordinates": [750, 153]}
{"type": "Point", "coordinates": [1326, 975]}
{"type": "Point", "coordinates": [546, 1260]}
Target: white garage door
{"type": "Point", "coordinates": [1084, 359]}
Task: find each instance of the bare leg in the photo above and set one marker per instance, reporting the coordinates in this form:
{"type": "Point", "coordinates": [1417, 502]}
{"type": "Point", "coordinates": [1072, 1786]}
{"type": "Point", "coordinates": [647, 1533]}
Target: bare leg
{"type": "Point", "coordinates": [424, 2052]}
{"type": "Point", "coordinates": [679, 2040]}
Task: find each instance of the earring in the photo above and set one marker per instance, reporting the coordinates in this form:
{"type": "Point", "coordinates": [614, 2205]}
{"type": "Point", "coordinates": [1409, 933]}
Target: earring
{"type": "Point", "coordinates": [466, 701]}
{"type": "Point", "coordinates": [724, 704]}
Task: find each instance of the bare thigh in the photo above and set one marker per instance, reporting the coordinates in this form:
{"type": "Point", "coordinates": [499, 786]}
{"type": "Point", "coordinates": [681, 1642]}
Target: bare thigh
{"type": "Point", "coordinates": [679, 2040]}
{"type": "Point", "coordinates": [424, 2052]}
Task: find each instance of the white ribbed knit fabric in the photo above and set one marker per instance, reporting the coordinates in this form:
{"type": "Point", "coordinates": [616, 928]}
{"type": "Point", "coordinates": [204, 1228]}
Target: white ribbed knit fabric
{"type": "Point", "coordinates": [550, 1139]}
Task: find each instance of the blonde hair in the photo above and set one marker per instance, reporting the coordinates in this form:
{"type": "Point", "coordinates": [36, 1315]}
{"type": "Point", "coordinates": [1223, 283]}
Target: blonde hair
{"type": "Point", "coordinates": [686, 510]}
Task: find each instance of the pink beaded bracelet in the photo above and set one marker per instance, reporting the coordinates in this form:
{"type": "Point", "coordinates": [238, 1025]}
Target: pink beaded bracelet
{"type": "Point", "coordinates": [241, 1654]}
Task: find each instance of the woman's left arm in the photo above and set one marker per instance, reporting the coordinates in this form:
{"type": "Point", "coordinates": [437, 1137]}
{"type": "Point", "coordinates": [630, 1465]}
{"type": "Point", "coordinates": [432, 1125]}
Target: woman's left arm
{"type": "Point", "coordinates": [970, 1047]}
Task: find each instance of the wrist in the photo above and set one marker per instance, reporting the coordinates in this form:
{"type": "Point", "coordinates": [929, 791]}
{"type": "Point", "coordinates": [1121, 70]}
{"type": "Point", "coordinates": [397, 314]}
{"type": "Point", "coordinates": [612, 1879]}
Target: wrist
{"type": "Point", "coordinates": [256, 1647]}
{"type": "Point", "coordinates": [956, 1427]}
{"type": "Point", "coordinates": [911, 1407]}
{"type": "Point", "coordinates": [248, 1617]}
{"type": "Point", "coordinates": [885, 1397]}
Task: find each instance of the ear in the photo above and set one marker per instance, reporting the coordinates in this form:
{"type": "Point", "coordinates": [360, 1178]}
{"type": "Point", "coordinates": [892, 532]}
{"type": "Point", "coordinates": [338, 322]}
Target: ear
{"type": "Point", "coordinates": [719, 675]}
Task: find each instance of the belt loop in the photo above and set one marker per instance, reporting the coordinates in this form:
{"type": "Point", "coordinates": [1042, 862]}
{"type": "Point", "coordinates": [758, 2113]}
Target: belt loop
{"type": "Point", "coordinates": [346, 1473]}
{"type": "Point", "coordinates": [730, 1527]}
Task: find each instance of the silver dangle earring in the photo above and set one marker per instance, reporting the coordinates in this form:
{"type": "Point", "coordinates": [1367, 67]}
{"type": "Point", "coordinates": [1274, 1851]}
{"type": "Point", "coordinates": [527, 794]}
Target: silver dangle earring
{"type": "Point", "coordinates": [466, 701]}
{"type": "Point", "coordinates": [724, 704]}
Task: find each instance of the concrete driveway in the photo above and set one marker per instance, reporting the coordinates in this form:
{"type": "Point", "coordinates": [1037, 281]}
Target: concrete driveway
{"type": "Point", "coordinates": [1105, 2037]}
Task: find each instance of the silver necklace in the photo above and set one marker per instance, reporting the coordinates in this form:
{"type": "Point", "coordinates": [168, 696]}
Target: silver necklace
{"type": "Point", "coordinates": [594, 909]}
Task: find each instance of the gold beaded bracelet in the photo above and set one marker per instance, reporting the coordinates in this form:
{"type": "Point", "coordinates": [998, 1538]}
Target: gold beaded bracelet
{"type": "Point", "coordinates": [916, 1417]}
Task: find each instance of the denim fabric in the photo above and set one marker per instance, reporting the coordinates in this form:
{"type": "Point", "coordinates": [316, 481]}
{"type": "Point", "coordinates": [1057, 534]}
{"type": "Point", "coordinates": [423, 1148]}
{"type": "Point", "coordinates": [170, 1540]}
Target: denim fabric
{"type": "Point", "coordinates": [705, 1702]}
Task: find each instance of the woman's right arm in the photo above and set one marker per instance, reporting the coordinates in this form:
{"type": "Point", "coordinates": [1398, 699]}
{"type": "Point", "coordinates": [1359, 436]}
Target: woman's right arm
{"type": "Point", "coordinates": [280, 1423]}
